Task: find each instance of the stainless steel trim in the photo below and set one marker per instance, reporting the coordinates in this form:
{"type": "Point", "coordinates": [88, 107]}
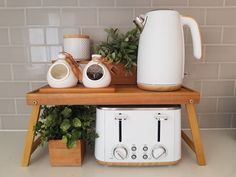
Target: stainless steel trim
{"type": "Point", "coordinates": [133, 108]}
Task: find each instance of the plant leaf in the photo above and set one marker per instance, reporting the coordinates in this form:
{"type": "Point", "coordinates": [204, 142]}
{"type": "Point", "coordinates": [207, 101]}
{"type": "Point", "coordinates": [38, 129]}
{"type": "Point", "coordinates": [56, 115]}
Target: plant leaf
{"type": "Point", "coordinates": [65, 125]}
{"type": "Point", "coordinates": [76, 134]}
{"type": "Point", "coordinates": [66, 112]}
{"type": "Point", "coordinates": [71, 144]}
{"type": "Point", "coordinates": [64, 139]}
{"type": "Point", "coordinates": [76, 122]}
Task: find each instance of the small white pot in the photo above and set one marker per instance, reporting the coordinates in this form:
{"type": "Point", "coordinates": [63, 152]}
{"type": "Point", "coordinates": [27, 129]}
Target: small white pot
{"type": "Point", "coordinates": [78, 46]}
{"type": "Point", "coordinates": [96, 75]}
{"type": "Point", "coordinates": [60, 75]}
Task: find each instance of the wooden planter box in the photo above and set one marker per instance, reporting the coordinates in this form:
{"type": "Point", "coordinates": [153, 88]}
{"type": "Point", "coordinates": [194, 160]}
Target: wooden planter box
{"type": "Point", "coordinates": [122, 76]}
{"type": "Point", "coordinates": [60, 155]}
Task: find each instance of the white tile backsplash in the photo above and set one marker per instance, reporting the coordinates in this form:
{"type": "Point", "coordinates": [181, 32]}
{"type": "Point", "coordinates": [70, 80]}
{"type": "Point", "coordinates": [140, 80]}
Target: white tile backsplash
{"type": "Point", "coordinates": [36, 36]}
{"type": "Point", "coordinates": [12, 17]}
{"type": "Point", "coordinates": [19, 36]}
{"type": "Point", "coordinates": [5, 72]}
{"type": "Point", "coordinates": [15, 122]}
{"type": "Point", "coordinates": [96, 3]}
{"type": "Point", "coordinates": [120, 16]}
{"type": "Point", "coordinates": [79, 16]}
{"type": "Point", "coordinates": [52, 36]}
{"type": "Point", "coordinates": [4, 39]}
{"type": "Point", "coordinates": [22, 107]}
{"type": "Point", "coordinates": [61, 3]}
{"type": "Point", "coordinates": [13, 89]}
{"type": "Point", "coordinates": [23, 3]}
{"type": "Point", "coordinates": [53, 52]}
{"type": "Point", "coordinates": [13, 54]}
{"type": "Point", "coordinates": [2, 3]}
{"type": "Point", "coordinates": [133, 3]}
{"type": "Point", "coordinates": [7, 106]}
{"type": "Point", "coordinates": [37, 72]}
{"type": "Point", "coordinates": [39, 54]}
{"type": "Point", "coordinates": [31, 34]}
{"type": "Point", "coordinates": [48, 17]}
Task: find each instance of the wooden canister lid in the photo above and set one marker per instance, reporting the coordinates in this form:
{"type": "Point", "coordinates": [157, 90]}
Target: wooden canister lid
{"type": "Point", "coordinates": [76, 36]}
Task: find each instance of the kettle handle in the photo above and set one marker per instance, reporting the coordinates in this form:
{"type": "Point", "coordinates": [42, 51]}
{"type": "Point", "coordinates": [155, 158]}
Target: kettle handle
{"type": "Point", "coordinates": [196, 38]}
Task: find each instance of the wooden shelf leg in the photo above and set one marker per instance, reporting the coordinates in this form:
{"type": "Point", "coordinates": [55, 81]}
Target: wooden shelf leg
{"type": "Point", "coordinates": [29, 141]}
{"type": "Point", "coordinates": [192, 117]}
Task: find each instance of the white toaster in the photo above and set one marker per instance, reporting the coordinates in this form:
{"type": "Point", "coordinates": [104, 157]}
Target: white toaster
{"type": "Point", "coordinates": [138, 136]}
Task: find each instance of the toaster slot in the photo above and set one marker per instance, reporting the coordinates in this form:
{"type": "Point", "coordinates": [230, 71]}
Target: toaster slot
{"type": "Point", "coordinates": [158, 130]}
{"type": "Point", "coordinates": [120, 130]}
{"type": "Point", "coordinates": [160, 117]}
{"type": "Point", "coordinates": [120, 118]}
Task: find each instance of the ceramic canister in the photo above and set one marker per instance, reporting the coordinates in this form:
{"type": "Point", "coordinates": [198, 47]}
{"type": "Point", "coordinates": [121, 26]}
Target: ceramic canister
{"type": "Point", "coordinates": [60, 75]}
{"type": "Point", "coordinates": [78, 46]}
{"type": "Point", "coordinates": [96, 74]}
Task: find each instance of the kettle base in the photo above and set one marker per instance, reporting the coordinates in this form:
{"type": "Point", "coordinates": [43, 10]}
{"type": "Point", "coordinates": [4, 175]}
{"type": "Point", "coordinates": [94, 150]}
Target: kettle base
{"type": "Point", "coordinates": [158, 88]}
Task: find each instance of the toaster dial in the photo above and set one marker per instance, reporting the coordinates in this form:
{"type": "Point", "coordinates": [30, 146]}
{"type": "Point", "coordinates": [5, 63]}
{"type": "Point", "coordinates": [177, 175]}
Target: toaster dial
{"type": "Point", "coordinates": [120, 153]}
{"type": "Point", "coordinates": [158, 152]}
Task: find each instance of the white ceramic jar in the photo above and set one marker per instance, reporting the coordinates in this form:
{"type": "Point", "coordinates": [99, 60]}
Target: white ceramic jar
{"type": "Point", "coordinates": [60, 75]}
{"type": "Point", "coordinates": [78, 46]}
{"type": "Point", "coordinates": [96, 74]}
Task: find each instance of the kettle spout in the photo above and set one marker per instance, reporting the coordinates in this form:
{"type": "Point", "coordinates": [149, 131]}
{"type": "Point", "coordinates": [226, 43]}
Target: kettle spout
{"type": "Point", "coordinates": [139, 23]}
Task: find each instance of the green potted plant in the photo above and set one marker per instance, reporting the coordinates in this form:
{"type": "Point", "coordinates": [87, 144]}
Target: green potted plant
{"type": "Point", "coordinates": [66, 128]}
{"type": "Point", "coordinates": [120, 49]}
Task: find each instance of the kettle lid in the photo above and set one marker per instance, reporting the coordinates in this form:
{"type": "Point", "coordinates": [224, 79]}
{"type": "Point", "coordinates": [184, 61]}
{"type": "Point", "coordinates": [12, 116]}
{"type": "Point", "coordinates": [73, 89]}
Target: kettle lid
{"type": "Point", "coordinates": [163, 11]}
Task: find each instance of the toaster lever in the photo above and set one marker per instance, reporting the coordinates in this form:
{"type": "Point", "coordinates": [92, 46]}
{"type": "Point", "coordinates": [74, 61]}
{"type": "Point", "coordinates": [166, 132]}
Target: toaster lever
{"type": "Point", "coordinates": [161, 117]}
{"type": "Point", "coordinates": [120, 117]}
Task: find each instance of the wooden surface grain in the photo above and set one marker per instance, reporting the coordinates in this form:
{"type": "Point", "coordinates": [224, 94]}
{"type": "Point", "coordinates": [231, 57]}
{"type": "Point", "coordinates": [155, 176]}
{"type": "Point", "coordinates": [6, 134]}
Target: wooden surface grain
{"type": "Point", "coordinates": [123, 95]}
{"type": "Point", "coordinates": [77, 89]}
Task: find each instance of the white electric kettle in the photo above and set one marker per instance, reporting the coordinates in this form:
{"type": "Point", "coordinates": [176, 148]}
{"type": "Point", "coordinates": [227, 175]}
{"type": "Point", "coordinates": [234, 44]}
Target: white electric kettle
{"type": "Point", "coordinates": [161, 51]}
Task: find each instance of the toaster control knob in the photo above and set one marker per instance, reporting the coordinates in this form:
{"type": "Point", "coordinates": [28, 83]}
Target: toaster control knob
{"type": "Point", "coordinates": [133, 156]}
{"type": "Point", "coordinates": [145, 148]}
{"type": "Point", "coordinates": [145, 156]}
{"type": "Point", "coordinates": [133, 148]}
{"type": "Point", "coordinates": [158, 152]}
{"type": "Point", "coordinates": [120, 153]}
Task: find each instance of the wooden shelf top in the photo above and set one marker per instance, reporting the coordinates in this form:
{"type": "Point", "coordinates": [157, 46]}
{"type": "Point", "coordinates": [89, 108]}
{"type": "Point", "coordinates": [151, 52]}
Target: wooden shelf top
{"type": "Point", "coordinates": [117, 95]}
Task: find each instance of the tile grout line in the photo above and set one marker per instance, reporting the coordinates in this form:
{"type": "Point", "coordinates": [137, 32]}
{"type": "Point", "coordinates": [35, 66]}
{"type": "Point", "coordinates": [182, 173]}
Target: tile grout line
{"type": "Point", "coordinates": [10, 44]}
{"type": "Point", "coordinates": [16, 111]}
{"type": "Point", "coordinates": [219, 72]}
{"type": "Point", "coordinates": [222, 35]}
{"type": "Point", "coordinates": [25, 15]}
{"type": "Point", "coordinates": [133, 13]}
{"type": "Point", "coordinates": [205, 16]}
{"type": "Point", "coordinates": [1, 127]}
{"type": "Point", "coordinates": [9, 36]}
{"type": "Point", "coordinates": [224, 3]}
{"type": "Point", "coordinates": [15, 114]}
{"type": "Point", "coordinates": [12, 72]}
{"type": "Point", "coordinates": [231, 120]}
{"type": "Point", "coordinates": [235, 88]}
{"type": "Point", "coordinates": [98, 14]}
{"type": "Point", "coordinates": [217, 104]}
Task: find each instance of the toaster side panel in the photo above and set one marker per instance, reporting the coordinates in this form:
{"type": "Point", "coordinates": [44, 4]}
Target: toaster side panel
{"type": "Point", "coordinates": [100, 141]}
